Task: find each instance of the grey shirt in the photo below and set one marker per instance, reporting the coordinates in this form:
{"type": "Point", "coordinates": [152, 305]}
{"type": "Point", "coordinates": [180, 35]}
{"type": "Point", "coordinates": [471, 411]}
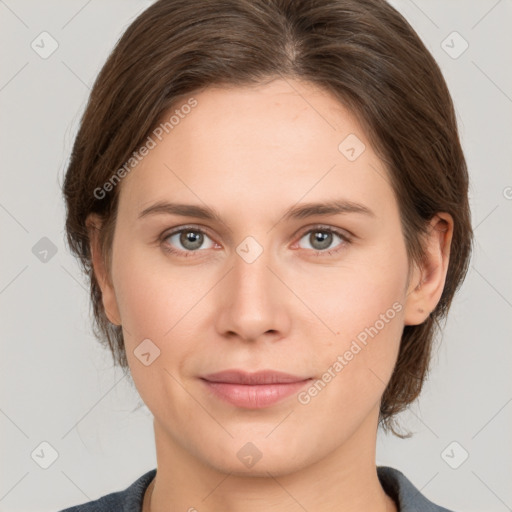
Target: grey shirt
{"type": "Point", "coordinates": [407, 497]}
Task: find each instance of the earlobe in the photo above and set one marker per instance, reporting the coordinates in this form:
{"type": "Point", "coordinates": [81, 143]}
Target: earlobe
{"type": "Point", "coordinates": [428, 279]}
{"type": "Point", "coordinates": [93, 224]}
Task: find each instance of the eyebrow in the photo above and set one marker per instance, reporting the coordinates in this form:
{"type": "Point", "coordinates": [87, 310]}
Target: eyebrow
{"type": "Point", "coordinates": [302, 211]}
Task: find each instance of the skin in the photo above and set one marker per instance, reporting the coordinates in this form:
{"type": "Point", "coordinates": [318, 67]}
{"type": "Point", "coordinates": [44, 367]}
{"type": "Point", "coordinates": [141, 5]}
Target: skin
{"type": "Point", "coordinates": [251, 153]}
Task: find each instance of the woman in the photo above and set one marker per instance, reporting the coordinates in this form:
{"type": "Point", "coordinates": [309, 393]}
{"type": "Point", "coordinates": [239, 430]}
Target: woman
{"type": "Point", "coordinates": [270, 200]}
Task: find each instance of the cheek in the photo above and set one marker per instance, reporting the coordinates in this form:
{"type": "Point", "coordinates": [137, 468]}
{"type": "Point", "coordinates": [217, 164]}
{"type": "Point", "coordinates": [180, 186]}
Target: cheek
{"type": "Point", "coordinates": [356, 362]}
{"type": "Point", "coordinates": [356, 294]}
{"type": "Point", "coordinates": [153, 295]}
{"type": "Point", "coordinates": [363, 306]}
{"type": "Point", "coordinates": [155, 304]}
{"type": "Point", "coordinates": [365, 343]}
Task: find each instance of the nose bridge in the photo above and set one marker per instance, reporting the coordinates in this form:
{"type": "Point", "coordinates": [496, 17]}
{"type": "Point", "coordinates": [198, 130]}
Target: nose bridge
{"type": "Point", "coordinates": [251, 276]}
{"type": "Point", "coordinates": [251, 304]}
{"type": "Point", "coordinates": [251, 273]}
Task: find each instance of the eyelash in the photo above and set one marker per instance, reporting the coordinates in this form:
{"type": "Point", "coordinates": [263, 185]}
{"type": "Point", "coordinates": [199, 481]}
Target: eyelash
{"type": "Point", "coordinates": [322, 229]}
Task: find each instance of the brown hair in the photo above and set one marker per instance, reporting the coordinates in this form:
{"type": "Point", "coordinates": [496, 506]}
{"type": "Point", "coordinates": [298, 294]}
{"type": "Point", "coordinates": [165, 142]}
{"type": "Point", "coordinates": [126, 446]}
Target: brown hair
{"type": "Point", "coordinates": [362, 51]}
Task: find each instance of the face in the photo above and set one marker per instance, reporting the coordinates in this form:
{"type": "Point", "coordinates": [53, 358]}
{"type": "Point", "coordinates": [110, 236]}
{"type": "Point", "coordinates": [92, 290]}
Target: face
{"type": "Point", "coordinates": [272, 283]}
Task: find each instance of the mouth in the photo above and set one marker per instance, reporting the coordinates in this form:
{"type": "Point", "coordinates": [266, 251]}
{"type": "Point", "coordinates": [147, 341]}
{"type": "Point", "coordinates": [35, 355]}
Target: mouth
{"type": "Point", "coordinates": [253, 390]}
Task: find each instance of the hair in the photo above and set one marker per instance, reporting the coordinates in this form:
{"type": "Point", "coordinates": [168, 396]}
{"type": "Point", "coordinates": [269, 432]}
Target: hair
{"type": "Point", "coordinates": [362, 51]}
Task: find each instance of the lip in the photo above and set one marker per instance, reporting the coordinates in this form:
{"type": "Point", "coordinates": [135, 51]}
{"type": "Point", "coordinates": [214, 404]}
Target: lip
{"type": "Point", "coordinates": [253, 390]}
{"type": "Point", "coordinates": [254, 378]}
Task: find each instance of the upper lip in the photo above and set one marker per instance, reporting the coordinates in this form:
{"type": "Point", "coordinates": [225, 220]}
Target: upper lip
{"type": "Point", "coordinates": [259, 377]}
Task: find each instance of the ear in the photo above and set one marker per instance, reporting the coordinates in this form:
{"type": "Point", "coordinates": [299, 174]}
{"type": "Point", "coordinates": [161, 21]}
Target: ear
{"type": "Point", "coordinates": [427, 281]}
{"type": "Point", "coordinates": [102, 274]}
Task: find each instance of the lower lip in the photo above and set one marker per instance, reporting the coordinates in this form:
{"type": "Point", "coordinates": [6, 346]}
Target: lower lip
{"type": "Point", "coordinates": [254, 396]}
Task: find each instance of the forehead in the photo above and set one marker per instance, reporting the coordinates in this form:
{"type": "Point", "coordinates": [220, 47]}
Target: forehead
{"type": "Point", "coordinates": [259, 144]}
{"type": "Point", "coordinates": [282, 114]}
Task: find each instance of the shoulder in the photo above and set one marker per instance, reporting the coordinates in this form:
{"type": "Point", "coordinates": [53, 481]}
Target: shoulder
{"type": "Point", "coordinates": [128, 500]}
{"type": "Point", "coordinates": [403, 491]}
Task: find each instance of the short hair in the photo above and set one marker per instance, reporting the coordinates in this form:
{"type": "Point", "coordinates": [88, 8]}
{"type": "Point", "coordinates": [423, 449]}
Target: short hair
{"type": "Point", "coordinates": [362, 51]}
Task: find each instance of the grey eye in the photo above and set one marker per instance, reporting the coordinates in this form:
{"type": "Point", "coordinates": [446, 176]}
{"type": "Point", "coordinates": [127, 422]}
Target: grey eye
{"type": "Point", "coordinates": [320, 239]}
{"type": "Point", "coordinates": [189, 239]}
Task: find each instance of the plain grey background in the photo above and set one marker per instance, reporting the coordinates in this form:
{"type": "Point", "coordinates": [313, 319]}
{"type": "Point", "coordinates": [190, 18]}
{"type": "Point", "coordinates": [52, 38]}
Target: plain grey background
{"type": "Point", "coordinates": [58, 386]}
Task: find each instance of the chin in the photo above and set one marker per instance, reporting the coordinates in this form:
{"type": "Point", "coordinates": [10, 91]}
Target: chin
{"type": "Point", "coordinates": [265, 467]}
{"type": "Point", "coordinates": [259, 457]}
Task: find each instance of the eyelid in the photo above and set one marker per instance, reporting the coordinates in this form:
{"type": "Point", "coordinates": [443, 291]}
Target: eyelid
{"type": "Point", "coordinates": [326, 227]}
{"type": "Point", "coordinates": [184, 227]}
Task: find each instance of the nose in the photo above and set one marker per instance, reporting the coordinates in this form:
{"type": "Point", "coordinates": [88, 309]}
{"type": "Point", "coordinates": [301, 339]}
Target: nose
{"type": "Point", "coordinates": [253, 303]}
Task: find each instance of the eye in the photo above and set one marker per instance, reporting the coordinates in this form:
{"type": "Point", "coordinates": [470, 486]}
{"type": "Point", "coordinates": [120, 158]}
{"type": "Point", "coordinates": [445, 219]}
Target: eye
{"type": "Point", "coordinates": [320, 240]}
{"type": "Point", "coordinates": [188, 239]}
